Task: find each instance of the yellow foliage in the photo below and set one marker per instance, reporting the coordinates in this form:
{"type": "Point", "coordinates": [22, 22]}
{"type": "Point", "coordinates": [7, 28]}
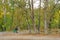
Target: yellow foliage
{"type": "Point", "coordinates": [8, 13]}
{"type": "Point", "coordinates": [2, 13]}
{"type": "Point", "coordinates": [0, 16]}
{"type": "Point", "coordinates": [59, 11]}
{"type": "Point", "coordinates": [56, 17]}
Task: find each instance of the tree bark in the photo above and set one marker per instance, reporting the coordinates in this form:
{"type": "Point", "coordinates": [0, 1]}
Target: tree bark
{"type": "Point", "coordinates": [39, 17]}
{"type": "Point", "coordinates": [45, 17]}
{"type": "Point", "coordinates": [32, 12]}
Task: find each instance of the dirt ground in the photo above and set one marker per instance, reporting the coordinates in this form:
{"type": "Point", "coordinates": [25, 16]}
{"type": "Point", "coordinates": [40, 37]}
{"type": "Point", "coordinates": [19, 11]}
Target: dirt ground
{"type": "Point", "coordinates": [18, 36]}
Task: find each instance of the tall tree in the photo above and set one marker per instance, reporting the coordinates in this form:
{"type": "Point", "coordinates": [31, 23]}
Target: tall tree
{"type": "Point", "coordinates": [27, 14]}
{"type": "Point", "coordinates": [32, 11]}
{"type": "Point", "coordinates": [4, 9]}
{"type": "Point", "coordinates": [45, 16]}
{"type": "Point", "coordinates": [39, 17]}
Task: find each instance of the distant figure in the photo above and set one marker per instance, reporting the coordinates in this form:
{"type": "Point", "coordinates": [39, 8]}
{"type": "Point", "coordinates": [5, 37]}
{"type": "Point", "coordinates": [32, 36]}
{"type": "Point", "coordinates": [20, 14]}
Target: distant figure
{"type": "Point", "coordinates": [16, 29]}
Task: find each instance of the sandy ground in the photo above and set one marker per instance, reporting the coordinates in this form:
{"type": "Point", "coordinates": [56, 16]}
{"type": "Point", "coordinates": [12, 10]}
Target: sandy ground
{"type": "Point", "coordinates": [18, 36]}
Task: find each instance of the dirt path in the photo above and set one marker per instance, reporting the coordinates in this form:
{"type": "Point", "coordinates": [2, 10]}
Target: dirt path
{"type": "Point", "coordinates": [27, 38]}
{"type": "Point", "coordinates": [12, 36]}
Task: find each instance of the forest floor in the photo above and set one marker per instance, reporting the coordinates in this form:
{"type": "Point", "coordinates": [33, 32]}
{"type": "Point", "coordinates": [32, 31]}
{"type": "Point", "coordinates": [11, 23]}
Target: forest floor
{"type": "Point", "coordinates": [18, 36]}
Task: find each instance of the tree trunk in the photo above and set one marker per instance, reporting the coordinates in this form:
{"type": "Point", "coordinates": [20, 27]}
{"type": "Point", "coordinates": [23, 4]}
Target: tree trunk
{"type": "Point", "coordinates": [45, 17]}
{"type": "Point", "coordinates": [39, 17]}
{"type": "Point", "coordinates": [4, 9]}
{"type": "Point", "coordinates": [32, 11]}
{"type": "Point", "coordinates": [29, 28]}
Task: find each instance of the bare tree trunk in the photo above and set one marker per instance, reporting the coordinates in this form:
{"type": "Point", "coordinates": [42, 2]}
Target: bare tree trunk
{"type": "Point", "coordinates": [12, 11]}
{"type": "Point", "coordinates": [45, 17]}
{"type": "Point", "coordinates": [32, 11]}
{"type": "Point", "coordinates": [39, 17]}
{"type": "Point", "coordinates": [4, 13]}
{"type": "Point", "coordinates": [29, 28]}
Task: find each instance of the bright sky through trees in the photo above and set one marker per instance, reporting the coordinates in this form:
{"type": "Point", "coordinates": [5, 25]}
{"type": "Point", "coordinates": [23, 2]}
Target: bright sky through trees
{"type": "Point", "coordinates": [36, 3]}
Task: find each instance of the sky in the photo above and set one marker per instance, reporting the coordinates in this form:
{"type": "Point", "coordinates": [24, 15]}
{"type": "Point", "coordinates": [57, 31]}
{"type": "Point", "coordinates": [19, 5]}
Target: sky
{"type": "Point", "coordinates": [36, 3]}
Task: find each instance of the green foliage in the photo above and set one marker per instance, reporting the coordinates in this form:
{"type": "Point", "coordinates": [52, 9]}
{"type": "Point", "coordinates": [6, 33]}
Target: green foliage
{"type": "Point", "coordinates": [18, 15]}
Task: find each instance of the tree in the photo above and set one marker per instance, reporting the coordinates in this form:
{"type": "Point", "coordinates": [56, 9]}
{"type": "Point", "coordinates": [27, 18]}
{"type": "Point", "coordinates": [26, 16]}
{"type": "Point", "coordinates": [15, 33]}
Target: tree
{"type": "Point", "coordinates": [45, 16]}
{"type": "Point", "coordinates": [39, 17]}
{"type": "Point", "coordinates": [32, 13]}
